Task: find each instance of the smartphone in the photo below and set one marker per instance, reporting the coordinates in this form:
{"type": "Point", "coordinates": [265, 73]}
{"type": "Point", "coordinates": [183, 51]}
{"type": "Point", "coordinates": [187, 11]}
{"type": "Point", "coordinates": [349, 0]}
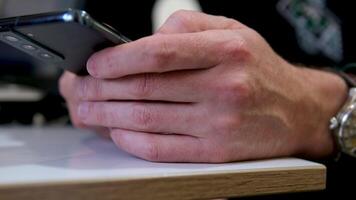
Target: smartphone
{"type": "Point", "coordinates": [65, 39]}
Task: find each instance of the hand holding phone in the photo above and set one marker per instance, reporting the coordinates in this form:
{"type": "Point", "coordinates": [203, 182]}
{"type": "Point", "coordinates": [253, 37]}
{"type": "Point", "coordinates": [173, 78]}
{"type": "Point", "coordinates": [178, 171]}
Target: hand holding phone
{"type": "Point", "coordinates": [66, 39]}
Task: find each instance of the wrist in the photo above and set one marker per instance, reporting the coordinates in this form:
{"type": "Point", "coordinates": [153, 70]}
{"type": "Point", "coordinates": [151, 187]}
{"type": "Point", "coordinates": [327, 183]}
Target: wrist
{"type": "Point", "coordinates": [327, 92]}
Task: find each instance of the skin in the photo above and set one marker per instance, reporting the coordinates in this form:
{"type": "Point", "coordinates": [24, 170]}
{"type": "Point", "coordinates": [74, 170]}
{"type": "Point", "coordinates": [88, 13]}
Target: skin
{"type": "Point", "coordinates": [205, 89]}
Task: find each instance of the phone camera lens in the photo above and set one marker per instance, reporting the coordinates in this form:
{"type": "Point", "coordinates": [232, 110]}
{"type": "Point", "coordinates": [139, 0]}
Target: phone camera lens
{"type": "Point", "coordinates": [29, 47]}
{"type": "Point", "coordinates": [11, 38]}
{"type": "Point", "coordinates": [45, 55]}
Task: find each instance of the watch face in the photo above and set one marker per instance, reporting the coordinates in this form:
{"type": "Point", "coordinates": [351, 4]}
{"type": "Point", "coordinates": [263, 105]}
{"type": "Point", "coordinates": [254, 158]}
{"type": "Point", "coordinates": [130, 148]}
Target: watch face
{"type": "Point", "coordinates": [347, 133]}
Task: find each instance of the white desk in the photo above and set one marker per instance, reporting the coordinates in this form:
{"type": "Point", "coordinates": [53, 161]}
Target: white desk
{"type": "Point", "coordinates": [63, 163]}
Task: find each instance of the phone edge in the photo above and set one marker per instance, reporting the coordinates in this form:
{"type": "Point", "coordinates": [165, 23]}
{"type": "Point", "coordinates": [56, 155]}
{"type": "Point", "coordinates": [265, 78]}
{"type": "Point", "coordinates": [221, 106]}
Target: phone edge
{"type": "Point", "coordinates": [68, 16]}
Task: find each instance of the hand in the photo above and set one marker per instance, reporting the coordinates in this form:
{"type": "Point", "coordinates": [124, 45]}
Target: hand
{"type": "Point", "coordinates": [205, 89]}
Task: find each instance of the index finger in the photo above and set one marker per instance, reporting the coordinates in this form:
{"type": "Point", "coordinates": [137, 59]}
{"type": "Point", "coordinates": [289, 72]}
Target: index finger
{"type": "Point", "coordinates": [162, 53]}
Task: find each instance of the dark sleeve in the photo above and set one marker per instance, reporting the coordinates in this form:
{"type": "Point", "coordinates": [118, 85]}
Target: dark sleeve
{"type": "Point", "coordinates": [282, 35]}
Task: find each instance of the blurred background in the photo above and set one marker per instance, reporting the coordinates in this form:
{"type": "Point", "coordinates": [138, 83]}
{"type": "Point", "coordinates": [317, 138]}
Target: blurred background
{"type": "Point", "coordinates": [29, 91]}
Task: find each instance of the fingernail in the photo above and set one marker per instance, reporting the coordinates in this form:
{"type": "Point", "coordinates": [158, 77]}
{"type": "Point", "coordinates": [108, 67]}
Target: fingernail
{"type": "Point", "coordinates": [83, 110]}
{"type": "Point", "coordinates": [91, 66]}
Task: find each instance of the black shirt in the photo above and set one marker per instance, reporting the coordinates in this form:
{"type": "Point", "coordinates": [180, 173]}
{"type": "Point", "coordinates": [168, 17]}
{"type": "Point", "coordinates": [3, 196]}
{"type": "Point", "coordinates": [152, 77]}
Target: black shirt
{"type": "Point", "coordinates": [298, 30]}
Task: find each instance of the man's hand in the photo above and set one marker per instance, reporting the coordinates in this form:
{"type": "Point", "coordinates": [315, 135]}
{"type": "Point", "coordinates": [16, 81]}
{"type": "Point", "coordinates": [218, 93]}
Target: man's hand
{"type": "Point", "coordinates": [205, 89]}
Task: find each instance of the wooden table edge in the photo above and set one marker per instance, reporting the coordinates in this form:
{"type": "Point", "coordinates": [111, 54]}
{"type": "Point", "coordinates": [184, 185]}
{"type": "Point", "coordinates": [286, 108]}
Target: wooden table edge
{"type": "Point", "coordinates": [194, 186]}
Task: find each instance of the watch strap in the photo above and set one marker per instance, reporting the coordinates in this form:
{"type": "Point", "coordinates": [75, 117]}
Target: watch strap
{"type": "Point", "coordinates": [350, 79]}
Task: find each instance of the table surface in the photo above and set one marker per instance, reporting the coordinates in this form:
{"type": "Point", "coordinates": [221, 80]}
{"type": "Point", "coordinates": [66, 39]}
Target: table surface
{"type": "Point", "coordinates": [64, 163]}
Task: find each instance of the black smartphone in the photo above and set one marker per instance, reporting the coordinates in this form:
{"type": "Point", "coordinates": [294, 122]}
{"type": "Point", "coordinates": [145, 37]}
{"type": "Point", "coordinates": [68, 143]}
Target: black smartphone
{"type": "Point", "coordinates": [65, 39]}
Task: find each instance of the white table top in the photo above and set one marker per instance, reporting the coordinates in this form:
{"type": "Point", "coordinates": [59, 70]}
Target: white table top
{"type": "Point", "coordinates": [53, 155]}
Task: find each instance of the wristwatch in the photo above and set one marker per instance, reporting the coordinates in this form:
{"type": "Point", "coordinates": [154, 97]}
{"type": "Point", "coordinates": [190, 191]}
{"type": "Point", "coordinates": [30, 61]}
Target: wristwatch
{"type": "Point", "coordinates": [343, 125]}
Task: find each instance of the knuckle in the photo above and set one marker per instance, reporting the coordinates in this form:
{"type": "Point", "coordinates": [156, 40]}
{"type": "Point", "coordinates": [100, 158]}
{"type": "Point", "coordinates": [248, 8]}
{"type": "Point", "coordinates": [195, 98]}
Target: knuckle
{"type": "Point", "coordinates": [110, 60]}
{"type": "Point", "coordinates": [143, 117]}
{"type": "Point", "coordinates": [160, 52]}
{"type": "Point", "coordinates": [105, 58]}
{"type": "Point", "coordinates": [238, 92]}
{"type": "Point", "coordinates": [84, 89]}
{"type": "Point", "coordinates": [237, 48]}
{"type": "Point", "coordinates": [143, 86]}
{"type": "Point", "coordinates": [90, 88]}
{"type": "Point", "coordinates": [232, 23]}
{"type": "Point", "coordinates": [99, 113]}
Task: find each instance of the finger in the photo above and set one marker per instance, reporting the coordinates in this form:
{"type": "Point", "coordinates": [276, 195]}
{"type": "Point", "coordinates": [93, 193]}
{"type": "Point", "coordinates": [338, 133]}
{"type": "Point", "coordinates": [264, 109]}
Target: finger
{"type": "Point", "coordinates": [184, 21]}
{"type": "Point", "coordinates": [164, 53]}
{"type": "Point", "coordinates": [184, 87]}
{"type": "Point", "coordinates": [159, 148]}
{"type": "Point", "coordinates": [73, 107]}
{"type": "Point", "coordinates": [148, 117]}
